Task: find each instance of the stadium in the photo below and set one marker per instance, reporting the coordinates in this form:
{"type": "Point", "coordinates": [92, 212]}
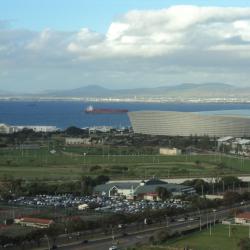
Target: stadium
{"type": "Point", "coordinates": [234, 123]}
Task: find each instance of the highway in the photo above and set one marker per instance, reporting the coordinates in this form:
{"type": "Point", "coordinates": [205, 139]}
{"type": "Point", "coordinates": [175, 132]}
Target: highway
{"type": "Point", "coordinates": [198, 220]}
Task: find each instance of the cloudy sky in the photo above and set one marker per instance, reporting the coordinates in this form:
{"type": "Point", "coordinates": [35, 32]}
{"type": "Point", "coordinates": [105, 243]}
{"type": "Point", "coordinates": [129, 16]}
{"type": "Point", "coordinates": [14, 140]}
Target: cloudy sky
{"type": "Point", "coordinates": [64, 44]}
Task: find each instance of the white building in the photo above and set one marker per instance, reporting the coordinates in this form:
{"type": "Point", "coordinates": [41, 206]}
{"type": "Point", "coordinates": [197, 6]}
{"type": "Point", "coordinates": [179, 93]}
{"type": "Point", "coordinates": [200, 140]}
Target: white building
{"type": "Point", "coordinates": [243, 218]}
{"type": "Point", "coordinates": [77, 141]}
{"type": "Point", "coordinates": [36, 128]}
{"type": "Point", "coordinates": [146, 190]}
{"type": "Point", "coordinates": [169, 151]}
{"type": "Point", "coordinates": [103, 129]}
{"type": "Point", "coordinates": [5, 129]}
{"type": "Point", "coordinates": [8, 129]}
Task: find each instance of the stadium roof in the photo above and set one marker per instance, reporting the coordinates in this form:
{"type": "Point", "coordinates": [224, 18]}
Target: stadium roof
{"type": "Point", "coordinates": [243, 113]}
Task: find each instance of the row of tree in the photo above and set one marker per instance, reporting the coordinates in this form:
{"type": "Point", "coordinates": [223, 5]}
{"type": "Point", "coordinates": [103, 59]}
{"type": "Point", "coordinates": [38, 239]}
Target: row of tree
{"type": "Point", "coordinates": [218, 185]}
{"type": "Point", "coordinates": [18, 187]}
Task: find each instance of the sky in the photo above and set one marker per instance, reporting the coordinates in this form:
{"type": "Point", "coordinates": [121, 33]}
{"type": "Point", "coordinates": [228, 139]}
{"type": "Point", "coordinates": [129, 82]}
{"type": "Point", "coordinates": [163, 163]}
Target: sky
{"type": "Point", "coordinates": [64, 44]}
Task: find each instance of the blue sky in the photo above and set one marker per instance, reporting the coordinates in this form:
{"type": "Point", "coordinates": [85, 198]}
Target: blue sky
{"type": "Point", "coordinates": [61, 44]}
{"type": "Point", "coordinates": [95, 14]}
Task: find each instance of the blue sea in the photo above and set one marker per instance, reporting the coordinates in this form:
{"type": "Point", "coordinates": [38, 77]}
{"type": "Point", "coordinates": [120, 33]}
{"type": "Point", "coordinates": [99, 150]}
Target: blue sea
{"type": "Point", "coordinates": [71, 113]}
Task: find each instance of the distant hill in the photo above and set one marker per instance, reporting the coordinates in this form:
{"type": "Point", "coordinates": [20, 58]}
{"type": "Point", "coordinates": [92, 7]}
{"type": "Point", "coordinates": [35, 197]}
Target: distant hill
{"type": "Point", "coordinates": [186, 90]}
{"type": "Point", "coordinates": [5, 93]}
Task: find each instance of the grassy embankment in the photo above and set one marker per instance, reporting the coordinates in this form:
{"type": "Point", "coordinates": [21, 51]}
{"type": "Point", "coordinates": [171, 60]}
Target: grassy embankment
{"type": "Point", "coordinates": [70, 163]}
{"type": "Point", "coordinates": [219, 239]}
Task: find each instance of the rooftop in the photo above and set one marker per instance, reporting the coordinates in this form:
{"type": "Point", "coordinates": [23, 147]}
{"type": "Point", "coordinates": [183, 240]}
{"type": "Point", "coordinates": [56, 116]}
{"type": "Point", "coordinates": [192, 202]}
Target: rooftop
{"type": "Point", "coordinates": [36, 220]}
{"type": "Point", "coordinates": [240, 113]}
{"type": "Point", "coordinates": [245, 215]}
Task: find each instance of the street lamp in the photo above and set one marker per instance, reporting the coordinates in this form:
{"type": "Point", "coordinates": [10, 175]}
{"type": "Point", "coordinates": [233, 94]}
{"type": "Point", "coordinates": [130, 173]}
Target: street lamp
{"type": "Point", "coordinates": [46, 236]}
{"type": "Point", "coordinates": [200, 217]}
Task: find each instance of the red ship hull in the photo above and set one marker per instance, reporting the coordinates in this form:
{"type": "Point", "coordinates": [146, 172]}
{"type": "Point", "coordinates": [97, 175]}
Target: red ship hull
{"type": "Point", "coordinates": [106, 111]}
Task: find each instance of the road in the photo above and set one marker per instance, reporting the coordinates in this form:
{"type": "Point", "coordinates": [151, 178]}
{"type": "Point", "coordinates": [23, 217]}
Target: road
{"type": "Point", "coordinates": [135, 235]}
{"type": "Point", "coordinates": [123, 243]}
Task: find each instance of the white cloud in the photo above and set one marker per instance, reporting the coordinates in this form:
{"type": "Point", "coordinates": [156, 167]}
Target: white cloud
{"type": "Point", "coordinates": [160, 32]}
{"type": "Point", "coordinates": [199, 42]}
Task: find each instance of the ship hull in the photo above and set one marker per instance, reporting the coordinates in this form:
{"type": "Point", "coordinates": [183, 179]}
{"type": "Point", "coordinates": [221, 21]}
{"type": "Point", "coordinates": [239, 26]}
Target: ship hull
{"type": "Point", "coordinates": [106, 111]}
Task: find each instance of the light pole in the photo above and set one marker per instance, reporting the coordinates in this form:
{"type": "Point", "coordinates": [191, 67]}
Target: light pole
{"type": "Point", "coordinates": [214, 217]}
{"type": "Point", "coordinates": [200, 218]}
{"type": "Point", "coordinates": [46, 236]}
{"type": "Point", "coordinates": [207, 220]}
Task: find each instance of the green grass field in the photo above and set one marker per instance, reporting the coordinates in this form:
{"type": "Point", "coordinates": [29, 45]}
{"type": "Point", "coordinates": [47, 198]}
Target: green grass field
{"type": "Point", "coordinates": [70, 163]}
{"type": "Point", "coordinates": [219, 239]}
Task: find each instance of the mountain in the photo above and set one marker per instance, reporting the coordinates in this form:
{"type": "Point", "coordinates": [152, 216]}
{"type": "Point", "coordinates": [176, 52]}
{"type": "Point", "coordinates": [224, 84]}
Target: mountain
{"type": "Point", "coordinates": [183, 91]}
{"type": "Point", "coordinates": [5, 93]}
{"type": "Point", "coordinates": [87, 91]}
{"type": "Point", "coordinates": [186, 90]}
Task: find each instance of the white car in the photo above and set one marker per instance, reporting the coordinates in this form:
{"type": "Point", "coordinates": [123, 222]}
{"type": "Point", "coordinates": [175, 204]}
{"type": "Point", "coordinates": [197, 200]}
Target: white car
{"type": "Point", "coordinates": [113, 248]}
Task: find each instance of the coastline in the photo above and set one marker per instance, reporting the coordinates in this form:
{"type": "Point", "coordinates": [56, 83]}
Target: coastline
{"type": "Point", "coordinates": [234, 100]}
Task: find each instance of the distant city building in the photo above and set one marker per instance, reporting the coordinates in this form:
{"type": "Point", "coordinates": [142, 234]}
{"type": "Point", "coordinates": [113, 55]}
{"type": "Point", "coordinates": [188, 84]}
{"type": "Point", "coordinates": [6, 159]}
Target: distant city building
{"type": "Point", "coordinates": [36, 128]}
{"type": "Point", "coordinates": [169, 151]}
{"type": "Point", "coordinates": [146, 190]}
{"type": "Point", "coordinates": [77, 141]}
{"type": "Point", "coordinates": [8, 129]}
{"type": "Point", "coordinates": [103, 129]}
{"type": "Point", "coordinates": [171, 123]}
{"type": "Point", "coordinates": [5, 129]}
{"type": "Point", "coordinates": [239, 146]}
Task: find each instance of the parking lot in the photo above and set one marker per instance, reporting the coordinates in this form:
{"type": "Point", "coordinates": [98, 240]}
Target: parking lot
{"type": "Point", "coordinates": [97, 203]}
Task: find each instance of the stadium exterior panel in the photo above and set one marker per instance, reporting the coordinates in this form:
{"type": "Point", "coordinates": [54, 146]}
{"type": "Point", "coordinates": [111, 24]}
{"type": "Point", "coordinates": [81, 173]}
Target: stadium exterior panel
{"type": "Point", "coordinates": [188, 123]}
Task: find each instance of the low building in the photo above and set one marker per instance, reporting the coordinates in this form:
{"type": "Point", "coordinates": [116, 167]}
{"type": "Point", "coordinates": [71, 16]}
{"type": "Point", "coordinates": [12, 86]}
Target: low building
{"type": "Point", "coordinates": [243, 218]}
{"type": "Point", "coordinates": [103, 129]}
{"type": "Point", "coordinates": [5, 129]}
{"type": "Point", "coordinates": [169, 151]}
{"type": "Point", "coordinates": [224, 140]}
{"type": "Point", "coordinates": [9, 129]}
{"type": "Point", "coordinates": [34, 222]}
{"type": "Point", "coordinates": [213, 197]}
{"type": "Point", "coordinates": [77, 141]}
{"type": "Point", "coordinates": [145, 190]}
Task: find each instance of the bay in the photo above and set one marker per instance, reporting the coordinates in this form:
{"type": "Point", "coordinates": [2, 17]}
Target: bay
{"type": "Point", "coordinates": [71, 113]}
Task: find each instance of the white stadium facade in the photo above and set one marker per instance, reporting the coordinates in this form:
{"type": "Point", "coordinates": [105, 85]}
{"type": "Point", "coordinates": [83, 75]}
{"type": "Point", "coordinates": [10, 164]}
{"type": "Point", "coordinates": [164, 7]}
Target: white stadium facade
{"type": "Point", "coordinates": [172, 123]}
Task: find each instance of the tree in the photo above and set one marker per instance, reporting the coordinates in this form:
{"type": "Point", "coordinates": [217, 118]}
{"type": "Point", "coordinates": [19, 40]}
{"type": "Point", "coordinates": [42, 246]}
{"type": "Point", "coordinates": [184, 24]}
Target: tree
{"type": "Point", "coordinates": [74, 131]}
{"type": "Point", "coordinates": [199, 185]}
{"type": "Point", "coordinates": [162, 236]}
{"type": "Point", "coordinates": [163, 193]}
{"type": "Point", "coordinates": [197, 163]}
{"type": "Point", "coordinates": [101, 179]}
{"type": "Point", "coordinates": [53, 231]}
{"type": "Point", "coordinates": [231, 198]}
{"type": "Point", "coordinates": [230, 181]}
{"type": "Point", "coordinates": [244, 244]}
{"type": "Point", "coordinates": [87, 184]}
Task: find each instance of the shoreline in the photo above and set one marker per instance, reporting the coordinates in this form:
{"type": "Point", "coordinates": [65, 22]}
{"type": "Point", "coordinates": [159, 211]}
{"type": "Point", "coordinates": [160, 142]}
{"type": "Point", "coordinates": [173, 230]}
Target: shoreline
{"type": "Point", "coordinates": [127, 100]}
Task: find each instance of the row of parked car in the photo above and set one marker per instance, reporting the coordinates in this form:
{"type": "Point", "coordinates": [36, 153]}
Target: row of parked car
{"type": "Point", "coordinates": [99, 203]}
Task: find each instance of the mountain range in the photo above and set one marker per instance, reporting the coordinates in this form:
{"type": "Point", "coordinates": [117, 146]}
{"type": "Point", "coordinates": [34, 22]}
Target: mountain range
{"type": "Point", "coordinates": [186, 90]}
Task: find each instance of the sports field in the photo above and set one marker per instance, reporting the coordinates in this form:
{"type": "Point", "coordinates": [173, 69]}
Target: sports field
{"type": "Point", "coordinates": [71, 163]}
{"type": "Point", "coordinates": [218, 240]}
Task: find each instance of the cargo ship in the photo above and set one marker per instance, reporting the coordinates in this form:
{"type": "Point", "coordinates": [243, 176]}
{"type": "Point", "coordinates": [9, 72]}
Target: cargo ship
{"type": "Point", "coordinates": [92, 110]}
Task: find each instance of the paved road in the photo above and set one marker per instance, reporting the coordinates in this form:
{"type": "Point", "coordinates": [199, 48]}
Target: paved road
{"type": "Point", "coordinates": [123, 243]}
{"type": "Point", "coordinates": [141, 235]}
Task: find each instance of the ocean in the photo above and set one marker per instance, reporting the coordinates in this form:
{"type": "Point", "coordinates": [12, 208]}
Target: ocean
{"type": "Point", "coordinates": [71, 113]}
